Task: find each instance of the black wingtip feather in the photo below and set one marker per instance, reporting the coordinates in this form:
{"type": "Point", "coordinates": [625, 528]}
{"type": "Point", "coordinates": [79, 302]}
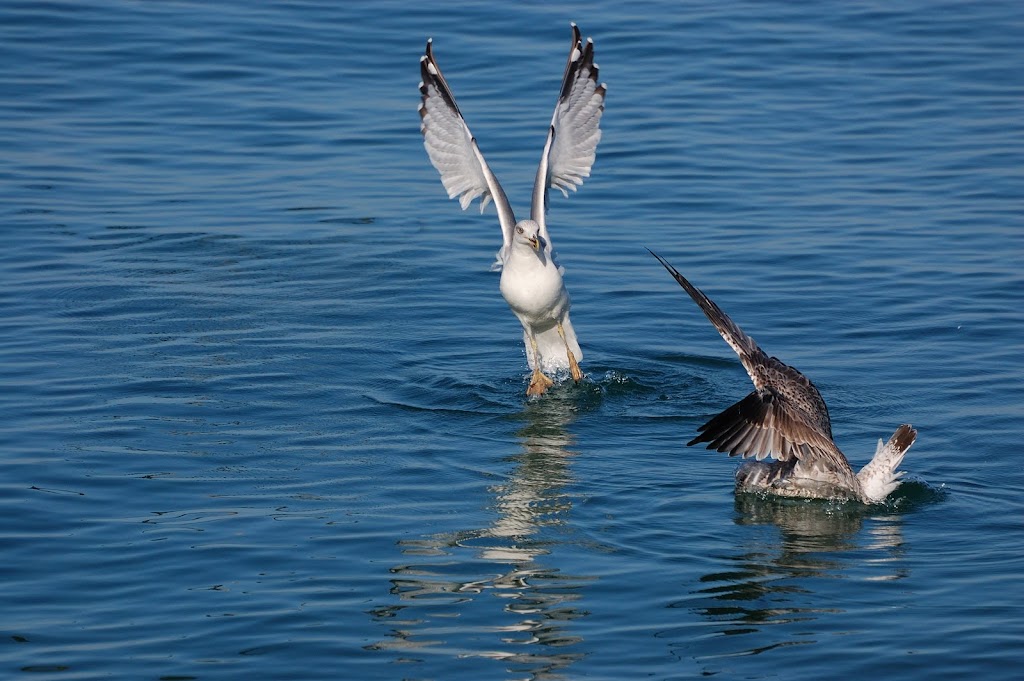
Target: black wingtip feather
{"type": "Point", "coordinates": [585, 60]}
{"type": "Point", "coordinates": [435, 78]}
{"type": "Point", "coordinates": [708, 306]}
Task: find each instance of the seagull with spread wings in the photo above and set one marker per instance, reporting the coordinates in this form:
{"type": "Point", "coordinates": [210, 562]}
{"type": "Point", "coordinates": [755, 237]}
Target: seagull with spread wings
{"type": "Point", "coordinates": [531, 279]}
{"type": "Point", "coordinates": [785, 418]}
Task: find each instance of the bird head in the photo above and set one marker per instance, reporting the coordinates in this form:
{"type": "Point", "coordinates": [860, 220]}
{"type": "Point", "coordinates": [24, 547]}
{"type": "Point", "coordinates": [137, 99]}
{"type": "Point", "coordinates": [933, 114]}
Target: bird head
{"type": "Point", "coordinates": [527, 232]}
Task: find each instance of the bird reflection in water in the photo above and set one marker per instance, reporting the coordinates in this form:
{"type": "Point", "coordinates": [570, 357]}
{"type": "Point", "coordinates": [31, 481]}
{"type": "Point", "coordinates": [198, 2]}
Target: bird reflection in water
{"type": "Point", "coordinates": [498, 582]}
{"type": "Point", "coordinates": [776, 589]}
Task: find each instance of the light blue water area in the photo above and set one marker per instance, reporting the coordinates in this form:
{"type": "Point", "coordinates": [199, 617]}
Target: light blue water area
{"type": "Point", "coordinates": [263, 405]}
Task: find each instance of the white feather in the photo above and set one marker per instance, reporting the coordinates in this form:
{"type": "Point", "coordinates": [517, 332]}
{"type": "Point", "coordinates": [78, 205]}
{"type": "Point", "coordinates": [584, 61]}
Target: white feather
{"type": "Point", "coordinates": [879, 478]}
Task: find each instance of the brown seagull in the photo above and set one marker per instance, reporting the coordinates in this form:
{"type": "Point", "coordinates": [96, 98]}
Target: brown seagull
{"type": "Point", "coordinates": [785, 418]}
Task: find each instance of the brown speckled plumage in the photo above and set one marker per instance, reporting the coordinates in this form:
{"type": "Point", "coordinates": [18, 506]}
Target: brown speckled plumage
{"type": "Point", "coordinates": [784, 418]}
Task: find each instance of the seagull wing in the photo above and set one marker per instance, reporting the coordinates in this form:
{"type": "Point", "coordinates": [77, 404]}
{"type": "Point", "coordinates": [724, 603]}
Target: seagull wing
{"type": "Point", "coordinates": [784, 417]}
{"type": "Point", "coordinates": [574, 132]}
{"type": "Point", "coordinates": [453, 149]}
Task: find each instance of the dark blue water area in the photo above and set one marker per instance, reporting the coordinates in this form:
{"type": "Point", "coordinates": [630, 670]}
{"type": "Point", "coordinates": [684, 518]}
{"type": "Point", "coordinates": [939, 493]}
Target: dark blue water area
{"type": "Point", "coordinates": [263, 407]}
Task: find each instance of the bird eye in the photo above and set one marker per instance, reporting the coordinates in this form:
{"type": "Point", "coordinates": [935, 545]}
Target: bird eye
{"type": "Point", "coordinates": [519, 230]}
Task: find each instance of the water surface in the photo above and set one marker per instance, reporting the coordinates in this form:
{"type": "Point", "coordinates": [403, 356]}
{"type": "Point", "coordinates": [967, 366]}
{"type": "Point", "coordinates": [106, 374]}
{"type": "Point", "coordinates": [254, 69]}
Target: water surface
{"type": "Point", "coordinates": [264, 409]}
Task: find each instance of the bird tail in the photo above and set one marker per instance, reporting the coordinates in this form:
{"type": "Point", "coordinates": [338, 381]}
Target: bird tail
{"type": "Point", "coordinates": [880, 478]}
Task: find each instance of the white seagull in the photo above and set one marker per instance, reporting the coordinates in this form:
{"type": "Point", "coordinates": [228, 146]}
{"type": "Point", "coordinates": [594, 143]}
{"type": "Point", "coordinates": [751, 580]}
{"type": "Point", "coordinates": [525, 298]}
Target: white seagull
{"type": "Point", "coordinates": [531, 279]}
{"type": "Point", "coordinates": [785, 418]}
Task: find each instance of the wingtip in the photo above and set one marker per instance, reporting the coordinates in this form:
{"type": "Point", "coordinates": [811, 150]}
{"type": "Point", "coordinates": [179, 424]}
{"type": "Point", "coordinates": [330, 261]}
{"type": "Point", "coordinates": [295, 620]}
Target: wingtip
{"type": "Point", "coordinates": [431, 73]}
{"type": "Point", "coordinates": [664, 263]}
{"type": "Point", "coordinates": [576, 42]}
{"type": "Point", "coordinates": [427, 58]}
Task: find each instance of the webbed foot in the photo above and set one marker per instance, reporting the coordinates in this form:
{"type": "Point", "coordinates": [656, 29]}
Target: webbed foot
{"type": "Point", "coordinates": [539, 383]}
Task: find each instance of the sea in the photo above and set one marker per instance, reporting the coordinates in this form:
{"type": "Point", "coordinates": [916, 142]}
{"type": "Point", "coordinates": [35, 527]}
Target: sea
{"type": "Point", "coordinates": [263, 409]}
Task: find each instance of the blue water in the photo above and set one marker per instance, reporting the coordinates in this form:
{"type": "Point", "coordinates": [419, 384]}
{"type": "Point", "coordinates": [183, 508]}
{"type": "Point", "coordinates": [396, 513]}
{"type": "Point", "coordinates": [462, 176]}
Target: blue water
{"type": "Point", "coordinates": [263, 409]}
